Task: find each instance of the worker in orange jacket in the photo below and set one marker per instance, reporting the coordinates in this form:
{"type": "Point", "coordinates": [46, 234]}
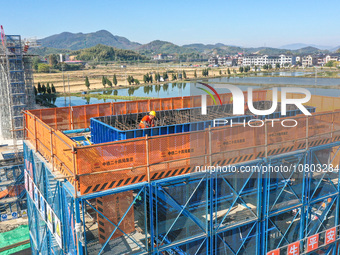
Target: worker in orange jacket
{"type": "Point", "coordinates": [148, 120]}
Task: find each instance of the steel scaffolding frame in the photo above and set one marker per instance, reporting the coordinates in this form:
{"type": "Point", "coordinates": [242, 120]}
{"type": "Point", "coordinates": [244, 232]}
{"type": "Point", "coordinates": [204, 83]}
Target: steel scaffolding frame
{"type": "Point", "coordinates": [16, 87]}
{"type": "Point", "coordinates": [197, 213]}
{"type": "Point", "coordinates": [12, 183]}
{"type": "Point", "coordinates": [117, 211]}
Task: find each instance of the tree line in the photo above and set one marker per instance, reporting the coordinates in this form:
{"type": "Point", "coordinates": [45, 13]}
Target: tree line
{"type": "Point", "coordinates": [42, 89]}
{"type": "Point", "coordinates": [106, 53]}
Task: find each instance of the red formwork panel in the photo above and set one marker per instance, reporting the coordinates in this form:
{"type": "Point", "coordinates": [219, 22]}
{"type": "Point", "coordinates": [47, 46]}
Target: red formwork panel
{"type": "Point", "coordinates": [113, 207]}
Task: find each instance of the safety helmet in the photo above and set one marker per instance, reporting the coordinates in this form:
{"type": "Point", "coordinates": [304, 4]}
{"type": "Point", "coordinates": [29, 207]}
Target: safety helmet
{"type": "Point", "coordinates": [153, 113]}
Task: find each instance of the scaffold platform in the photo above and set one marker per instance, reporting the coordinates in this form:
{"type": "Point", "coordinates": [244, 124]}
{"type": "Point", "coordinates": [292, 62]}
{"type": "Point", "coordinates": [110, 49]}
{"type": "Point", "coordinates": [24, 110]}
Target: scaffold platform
{"type": "Point", "coordinates": [157, 195]}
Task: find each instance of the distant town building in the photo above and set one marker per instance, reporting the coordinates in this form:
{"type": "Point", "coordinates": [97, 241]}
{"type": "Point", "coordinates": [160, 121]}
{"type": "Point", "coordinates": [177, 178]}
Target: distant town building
{"type": "Point", "coordinates": [287, 60]}
{"type": "Point", "coordinates": [222, 61]}
{"type": "Point", "coordinates": [162, 57]}
{"type": "Point", "coordinates": [273, 60]}
{"type": "Point", "coordinates": [159, 57]}
{"type": "Point", "coordinates": [298, 59]}
{"type": "Point", "coordinates": [213, 61]}
{"type": "Point", "coordinates": [257, 60]}
{"type": "Point", "coordinates": [332, 57]}
{"type": "Point", "coordinates": [232, 61]}
{"type": "Point", "coordinates": [75, 62]}
{"type": "Point", "coordinates": [309, 60]}
{"type": "Point", "coordinates": [240, 60]}
{"type": "Point", "coordinates": [321, 60]}
{"type": "Point", "coordinates": [71, 58]}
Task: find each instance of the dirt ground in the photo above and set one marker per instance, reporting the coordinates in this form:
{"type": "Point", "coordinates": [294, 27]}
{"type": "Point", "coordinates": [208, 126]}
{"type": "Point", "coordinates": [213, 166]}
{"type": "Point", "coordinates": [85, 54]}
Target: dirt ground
{"type": "Point", "coordinates": [12, 224]}
{"type": "Point", "coordinates": [74, 81]}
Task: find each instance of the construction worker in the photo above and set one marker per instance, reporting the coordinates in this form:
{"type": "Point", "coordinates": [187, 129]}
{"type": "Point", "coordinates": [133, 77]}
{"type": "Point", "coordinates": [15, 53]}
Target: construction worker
{"type": "Point", "coordinates": [148, 120]}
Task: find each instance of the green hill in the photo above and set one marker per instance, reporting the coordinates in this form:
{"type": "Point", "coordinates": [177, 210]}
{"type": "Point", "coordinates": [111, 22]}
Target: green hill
{"type": "Point", "coordinates": [65, 42]}
{"type": "Point", "coordinates": [71, 41]}
{"type": "Point", "coordinates": [309, 50]}
{"type": "Point", "coordinates": [157, 47]}
{"type": "Point", "coordinates": [106, 53]}
{"type": "Point", "coordinates": [45, 51]}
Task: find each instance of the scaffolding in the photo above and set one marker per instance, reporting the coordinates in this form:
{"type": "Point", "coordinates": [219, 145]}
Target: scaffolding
{"type": "Point", "coordinates": [16, 95]}
{"type": "Point", "coordinates": [146, 196]}
{"type": "Point", "coordinates": [12, 192]}
{"type": "Point", "coordinates": [16, 87]}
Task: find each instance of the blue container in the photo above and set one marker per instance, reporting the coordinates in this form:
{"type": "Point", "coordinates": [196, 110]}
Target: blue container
{"type": "Point", "coordinates": [102, 131]}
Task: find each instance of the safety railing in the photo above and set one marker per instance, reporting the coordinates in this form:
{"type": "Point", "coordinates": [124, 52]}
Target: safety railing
{"type": "Point", "coordinates": [104, 166]}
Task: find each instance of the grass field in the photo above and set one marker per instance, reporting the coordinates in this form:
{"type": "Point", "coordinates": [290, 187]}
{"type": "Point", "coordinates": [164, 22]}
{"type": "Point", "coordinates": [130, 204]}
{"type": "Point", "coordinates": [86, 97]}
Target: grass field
{"type": "Point", "coordinates": [74, 81]}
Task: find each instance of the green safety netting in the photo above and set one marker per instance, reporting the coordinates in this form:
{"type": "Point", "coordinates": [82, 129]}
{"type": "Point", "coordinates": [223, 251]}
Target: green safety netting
{"type": "Point", "coordinates": [17, 235]}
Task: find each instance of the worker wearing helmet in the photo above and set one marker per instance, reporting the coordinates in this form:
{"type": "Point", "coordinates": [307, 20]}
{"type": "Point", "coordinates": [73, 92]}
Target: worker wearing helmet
{"type": "Point", "coordinates": [148, 120]}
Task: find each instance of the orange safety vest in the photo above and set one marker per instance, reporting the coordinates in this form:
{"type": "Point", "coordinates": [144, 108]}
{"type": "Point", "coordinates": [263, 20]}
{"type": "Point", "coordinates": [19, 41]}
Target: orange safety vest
{"type": "Point", "coordinates": [146, 122]}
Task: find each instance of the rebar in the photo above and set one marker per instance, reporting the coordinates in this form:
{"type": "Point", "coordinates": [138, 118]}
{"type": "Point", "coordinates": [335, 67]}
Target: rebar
{"type": "Point", "coordinates": [180, 116]}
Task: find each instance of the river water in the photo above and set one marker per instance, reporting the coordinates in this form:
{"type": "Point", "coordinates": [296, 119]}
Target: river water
{"type": "Point", "coordinates": [179, 89]}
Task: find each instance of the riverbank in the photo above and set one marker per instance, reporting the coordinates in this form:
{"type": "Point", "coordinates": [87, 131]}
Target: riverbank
{"type": "Point", "coordinates": [99, 96]}
{"type": "Point", "coordinates": [49, 101]}
{"type": "Point", "coordinates": [266, 85]}
{"type": "Point", "coordinates": [74, 81]}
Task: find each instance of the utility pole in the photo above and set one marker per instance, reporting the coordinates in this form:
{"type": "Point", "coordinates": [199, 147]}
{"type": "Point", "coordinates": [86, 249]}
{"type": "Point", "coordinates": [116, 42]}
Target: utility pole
{"type": "Point", "coordinates": [69, 89]}
{"type": "Point", "coordinates": [316, 77]}
{"type": "Point", "coordinates": [62, 68]}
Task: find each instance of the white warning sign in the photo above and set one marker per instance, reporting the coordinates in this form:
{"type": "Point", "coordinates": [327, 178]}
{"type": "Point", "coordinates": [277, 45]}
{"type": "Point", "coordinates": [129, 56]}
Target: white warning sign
{"type": "Point", "coordinates": [36, 196]}
{"type": "Point", "coordinates": [30, 188]}
{"type": "Point", "coordinates": [49, 217]}
{"type": "Point", "coordinates": [26, 180]}
{"type": "Point", "coordinates": [46, 212]}
{"type": "Point", "coordinates": [24, 213]}
{"type": "Point", "coordinates": [42, 207]}
{"type": "Point", "coordinates": [58, 232]}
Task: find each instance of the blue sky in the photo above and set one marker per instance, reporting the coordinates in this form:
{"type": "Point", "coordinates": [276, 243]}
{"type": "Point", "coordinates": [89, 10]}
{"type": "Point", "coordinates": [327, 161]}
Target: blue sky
{"type": "Point", "coordinates": [243, 23]}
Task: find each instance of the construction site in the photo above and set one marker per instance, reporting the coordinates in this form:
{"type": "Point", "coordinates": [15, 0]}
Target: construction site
{"type": "Point", "coordinates": [16, 95]}
{"type": "Point", "coordinates": [97, 183]}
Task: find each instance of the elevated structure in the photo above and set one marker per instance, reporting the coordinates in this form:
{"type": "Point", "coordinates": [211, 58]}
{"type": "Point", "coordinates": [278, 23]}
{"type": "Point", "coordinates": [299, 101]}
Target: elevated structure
{"type": "Point", "coordinates": [16, 87]}
{"type": "Point", "coordinates": [151, 195]}
{"type": "Point", "coordinates": [121, 127]}
{"type": "Point", "coordinates": [12, 192]}
{"type": "Point", "coordinates": [16, 95]}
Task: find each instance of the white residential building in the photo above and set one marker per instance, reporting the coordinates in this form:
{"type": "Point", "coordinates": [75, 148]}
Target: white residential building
{"type": "Point", "coordinates": [240, 60]}
{"type": "Point", "coordinates": [332, 57]}
{"type": "Point", "coordinates": [256, 60]}
{"type": "Point", "coordinates": [321, 60]}
{"type": "Point", "coordinates": [298, 59]}
{"type": "Point", "coordinates": [309, 60]}
{"type": "Point", "coordinates": [222, 61]}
